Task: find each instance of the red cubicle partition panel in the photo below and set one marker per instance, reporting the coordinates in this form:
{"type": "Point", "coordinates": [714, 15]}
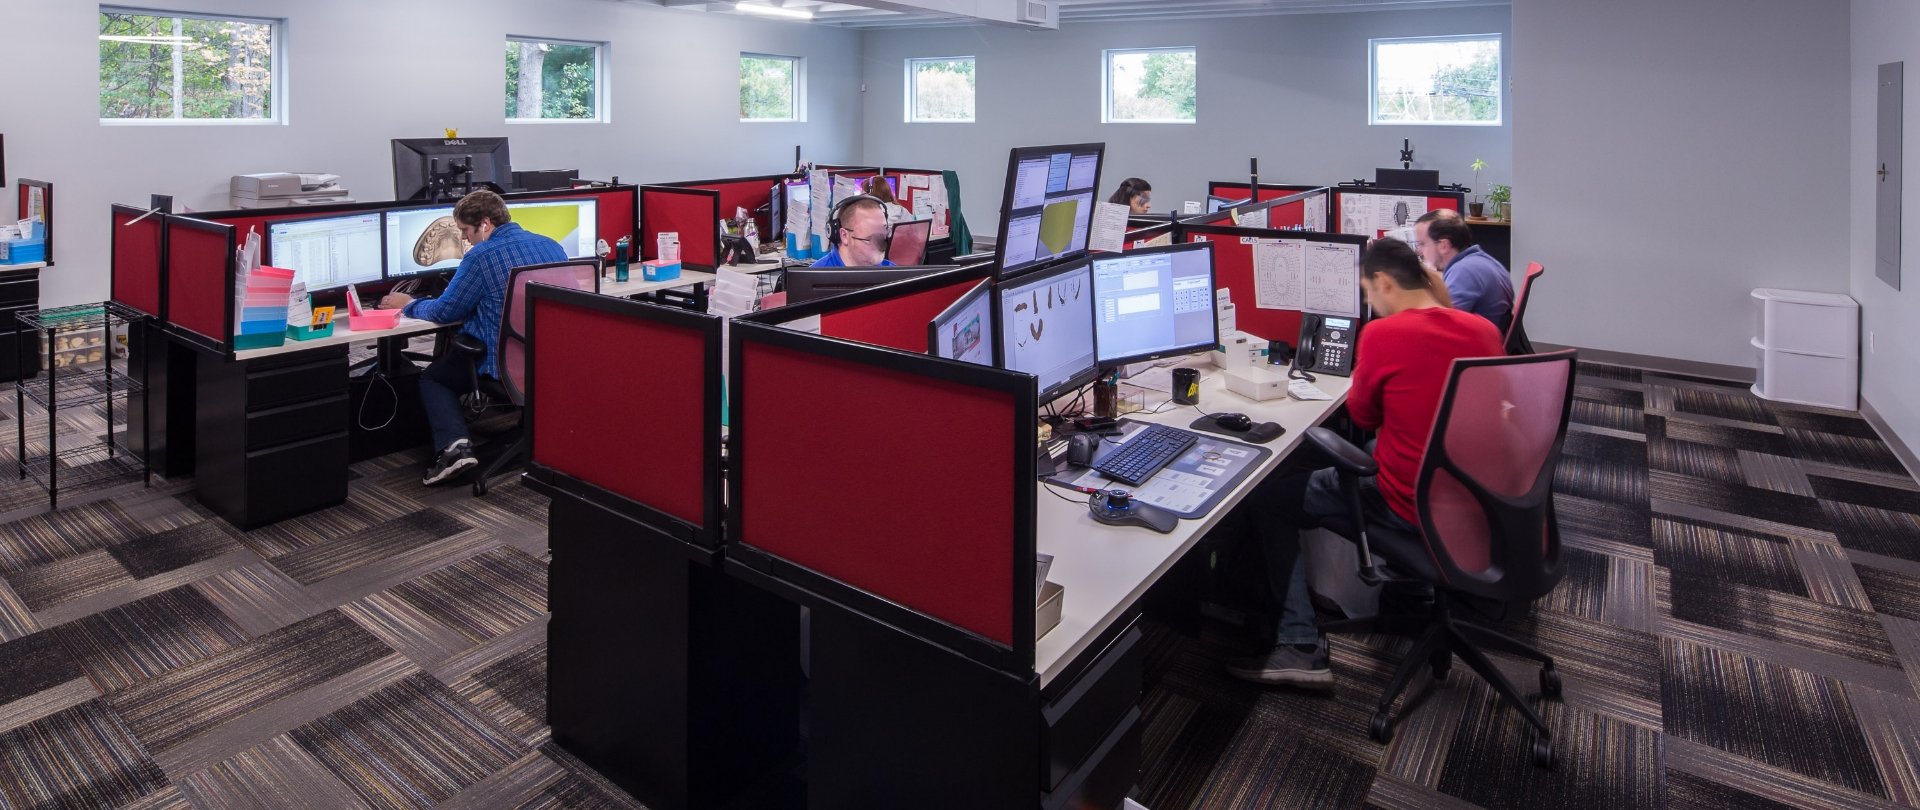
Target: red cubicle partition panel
{"type": "Point", "coordinates": [751, 193]}
{"type": "Point", "coordinates": [1233, 270]}
{"type": "Point", "coordinates": [637, 429]}
{"type": "Point", "coordinates": [199, 281]}
{"type": "Point", "coordinates": [135, 262]}
{"type": "Point", "coordinates": [896, 323]}
{"type": "Point", "coordinates": [694, 213]}
{"type": "Point", "coordinates": [1268, 191]}
{"type": "Point", "coordinates": [930, 530]}
{"type": "Point", "coordinates": [1435, 200]}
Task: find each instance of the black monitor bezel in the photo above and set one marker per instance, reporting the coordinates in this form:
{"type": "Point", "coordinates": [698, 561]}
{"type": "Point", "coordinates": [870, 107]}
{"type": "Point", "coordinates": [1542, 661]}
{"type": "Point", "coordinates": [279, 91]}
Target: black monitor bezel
{"type": "Point", "coordinates": [1213, 280]}
{"type": "Point", "coordinates": [495, 145]}
{"type": "Point", "coordinates": [1006, 204]}
{"type": "Point", "coordinates": [1078, 378]}
{"type": "Point", "coordinates": [266, 249]}
{"type": "Point", "coordinates": [386, 250]}
{"type": "Point", "coordinates": [851, 275]}
{"type": "Point", "coordinates": [575, 198]}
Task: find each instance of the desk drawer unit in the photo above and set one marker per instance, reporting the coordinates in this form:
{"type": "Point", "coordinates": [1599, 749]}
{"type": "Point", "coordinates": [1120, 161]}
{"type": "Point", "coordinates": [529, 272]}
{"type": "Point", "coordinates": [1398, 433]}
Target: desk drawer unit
{"type": "Point", "coordinates": [19, 291]}
{"type": "Point", "coordinates": [271, 435]}
{"type": "Point", "coordinates": [1077, 720]}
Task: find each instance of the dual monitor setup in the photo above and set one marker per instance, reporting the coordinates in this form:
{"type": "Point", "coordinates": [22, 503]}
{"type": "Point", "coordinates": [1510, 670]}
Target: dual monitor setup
{"type": "Point", "coordinates": [332, 251]}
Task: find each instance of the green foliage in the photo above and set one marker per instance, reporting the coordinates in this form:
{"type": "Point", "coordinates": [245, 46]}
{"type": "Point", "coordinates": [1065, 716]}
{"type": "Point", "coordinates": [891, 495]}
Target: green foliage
{"type": "Point", "coordinates": [1465, 87]}
{"type": "Point", "coordinates": [1172, 78]}
{"type": "Point", "coordinates": [566, 86]}
{"type": "Point", "coordinates": [1502, 193]}
{"type": "Point", "coordinates": [943, 90]}
{"type": "Point", "coordinates": [225, 68]}
{"type": "Point", "coordinates": [768, 88]}
{"type": "Point", "coordinates": [1152, 86]}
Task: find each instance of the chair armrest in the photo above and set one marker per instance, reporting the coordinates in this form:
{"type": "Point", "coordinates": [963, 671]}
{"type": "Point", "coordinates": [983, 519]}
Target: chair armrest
{"type": "Point", "coordinates": [1348, 459]}
{"type": "Point", "coordinates": [468, 344]}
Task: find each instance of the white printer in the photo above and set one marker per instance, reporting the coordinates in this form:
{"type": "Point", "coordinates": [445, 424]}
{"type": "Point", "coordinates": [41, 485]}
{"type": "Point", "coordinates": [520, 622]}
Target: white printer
{"type": "Point", "coordinates": [284, 189]}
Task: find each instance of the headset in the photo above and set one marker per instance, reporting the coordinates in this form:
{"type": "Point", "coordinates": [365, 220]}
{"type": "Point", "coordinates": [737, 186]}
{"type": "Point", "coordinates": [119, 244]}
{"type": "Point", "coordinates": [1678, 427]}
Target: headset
{"type": "Point", "coordinates": [839, 208]}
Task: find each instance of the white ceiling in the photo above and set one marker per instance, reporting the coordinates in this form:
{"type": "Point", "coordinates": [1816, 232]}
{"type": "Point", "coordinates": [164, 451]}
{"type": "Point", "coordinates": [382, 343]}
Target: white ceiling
{"type": "Point", "coordinates": [854, 15]}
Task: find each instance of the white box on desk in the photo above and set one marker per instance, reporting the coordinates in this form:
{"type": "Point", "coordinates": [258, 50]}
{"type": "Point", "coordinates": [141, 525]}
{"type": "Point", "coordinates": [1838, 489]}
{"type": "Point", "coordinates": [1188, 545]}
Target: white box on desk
{"type": "Point", "coordinates": [1240, 350]}
{"type": "Point", "coordinates": [1258, 383]}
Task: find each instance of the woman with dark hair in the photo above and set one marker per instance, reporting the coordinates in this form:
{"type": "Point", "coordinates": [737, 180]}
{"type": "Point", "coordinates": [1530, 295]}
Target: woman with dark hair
{"type": "Point", "coordinates": [1134, 193]}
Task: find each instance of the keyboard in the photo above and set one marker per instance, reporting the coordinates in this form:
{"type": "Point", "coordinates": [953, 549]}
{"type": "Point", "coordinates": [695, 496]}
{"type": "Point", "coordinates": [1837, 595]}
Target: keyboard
{"type": "Point", "coordinates": [1144, 453]}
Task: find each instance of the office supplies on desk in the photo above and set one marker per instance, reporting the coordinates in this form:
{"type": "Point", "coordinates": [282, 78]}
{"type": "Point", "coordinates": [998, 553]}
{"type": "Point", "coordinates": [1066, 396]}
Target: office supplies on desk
{"type": "Point", "coordinates": [1326, 344]}
{"type": "Point", "coordinates": [1186, 386]}
{"type": "Point", "coordinates": [1306, 391]}
{"type": "Point", "coordinates": [1144, 453]}
{"type": "Point", "coordinates": [1082, 448]}
{"type": "Point", "coordinates": [1244, 429]}
{"type": "Point", "coordinates": [368, 320]}
{"type": "Point", "coordinates": [1189, 486]}
{"type": "Point", "coordinates": [1117, 507]}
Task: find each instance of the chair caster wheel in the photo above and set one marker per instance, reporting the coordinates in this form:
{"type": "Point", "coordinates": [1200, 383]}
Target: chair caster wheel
{"type": "Point", "coordinates": [1442, 666]}
{"type": "Point", "coordinates": [1543, 753]}
{"type": "Point", "coordinates": [1381, 728]}
{"type": "Point", "coordinates": [1549, 681]}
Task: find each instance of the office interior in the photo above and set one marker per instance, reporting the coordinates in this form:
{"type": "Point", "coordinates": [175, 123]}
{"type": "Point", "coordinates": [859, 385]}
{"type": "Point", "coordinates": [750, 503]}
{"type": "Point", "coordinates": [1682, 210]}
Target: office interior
{"type": "Point", "coordinates": [254, 622]}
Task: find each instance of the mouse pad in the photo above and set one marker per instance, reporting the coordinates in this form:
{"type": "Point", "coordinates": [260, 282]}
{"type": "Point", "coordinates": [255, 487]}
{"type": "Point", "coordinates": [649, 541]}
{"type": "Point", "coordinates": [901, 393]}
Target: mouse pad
{"type": "Point", "coordinates": [1188, 487]}
{"type": "Point", "coordinates": [1260, 433]}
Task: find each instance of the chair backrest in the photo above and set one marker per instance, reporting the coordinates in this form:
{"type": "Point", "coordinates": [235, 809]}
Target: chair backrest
{"type": "Point", "coordinates": [1517, 342]}
{"type": "Point", "coordinates": [579, 274]}
{"type": "Point", "coordinates": [1485, 491]}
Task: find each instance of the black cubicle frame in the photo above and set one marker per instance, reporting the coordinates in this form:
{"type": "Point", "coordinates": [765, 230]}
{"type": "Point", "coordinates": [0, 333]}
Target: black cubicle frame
{"type": "Point", "coordinates": [708, 535]}
{"type": "Point", "coordinates": [113, 250]}
{"type": "Point", "coordinates": [801, 582]}
{"type": "Point", "coordinates": [385, 205]}
{"type": "Point", "coordinates": [223, 348]}
{"type": "Point", "coordinates": [1224, 216]}
{"type": "Point", "coordinates": [879, 292]}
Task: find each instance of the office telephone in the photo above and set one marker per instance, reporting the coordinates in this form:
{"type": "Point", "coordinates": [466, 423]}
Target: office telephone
{"type": "Point", "coordinates": [1326, 344]}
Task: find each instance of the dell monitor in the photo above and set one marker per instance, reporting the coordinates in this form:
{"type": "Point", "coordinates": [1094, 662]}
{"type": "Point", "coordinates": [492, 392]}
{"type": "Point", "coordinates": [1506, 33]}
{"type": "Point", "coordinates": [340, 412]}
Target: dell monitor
{"type": "Point", "coordinates": [1153, 303]}
{"type": "Point", "coordinates": [574, 223]}
{"type": "Point", "coordinates": [1044, 322]}
{"type": "Point", "coordinates": [908, 242]}
{"type": "Point", "coordinates": [426, 168]}
{"type": "Point", "coordinates": [964, 331]}
{"type": "Point", "coordinates": [327, 252]}
{"type": "Point", "coordinates": [1409, 179]}
{"type": "Point", "coordinates": [1048, 205]}
{"type": "Point", "coordinates": [422, 241]}
{"type": "Point", "coordinates": [806, 283]}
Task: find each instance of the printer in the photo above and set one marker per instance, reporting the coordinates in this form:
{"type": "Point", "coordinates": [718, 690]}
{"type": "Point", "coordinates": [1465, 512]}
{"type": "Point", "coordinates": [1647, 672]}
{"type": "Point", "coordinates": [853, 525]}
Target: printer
{"type": "Point", "coordinates": [285, 189]}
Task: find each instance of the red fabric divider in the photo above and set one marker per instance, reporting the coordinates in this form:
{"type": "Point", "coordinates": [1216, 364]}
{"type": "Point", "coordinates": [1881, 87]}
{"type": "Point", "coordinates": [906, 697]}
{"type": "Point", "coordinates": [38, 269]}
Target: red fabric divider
{"type": "Point", "coordinates": [613, 208]}
{"type": "Point", "coordinates": [896, 323]}
{"type": "Point", "coordinates": [819, 486]}
{"type": "Point", "coordinates": [1286, 215]}
{"type": "Point", "coordinates": [1233, 269]}
{"type": "Point", "coordinates": [1434, 203]}
{"type": "Point", "coordinates": [136, 260]}
{"type": "Point", "coordinates": [198, 263]}
{"type": "Point", "coordinates": [748, 194]}
{"type": "Point", "coordinates": [692, 213]}
{"type": "Point", "coordinates": [583, 424]}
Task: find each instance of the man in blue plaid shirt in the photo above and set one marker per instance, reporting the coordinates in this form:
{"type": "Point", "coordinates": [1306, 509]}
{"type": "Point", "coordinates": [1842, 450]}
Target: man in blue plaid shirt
{"type": "Point", "coordinates": [474, 296]}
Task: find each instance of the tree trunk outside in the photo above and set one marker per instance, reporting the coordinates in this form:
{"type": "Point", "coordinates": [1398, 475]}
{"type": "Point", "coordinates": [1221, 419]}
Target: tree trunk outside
{"type": "Point", "coordinates": [532, 62]}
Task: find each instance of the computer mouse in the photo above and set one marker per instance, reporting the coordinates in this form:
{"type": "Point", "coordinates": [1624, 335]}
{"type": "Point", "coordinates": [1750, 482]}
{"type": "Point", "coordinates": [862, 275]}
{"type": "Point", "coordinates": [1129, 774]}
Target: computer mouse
{"type": "Point", "coordinates": [1081, 448]}
{"type": "Point", "coordinates": [1233, 421]}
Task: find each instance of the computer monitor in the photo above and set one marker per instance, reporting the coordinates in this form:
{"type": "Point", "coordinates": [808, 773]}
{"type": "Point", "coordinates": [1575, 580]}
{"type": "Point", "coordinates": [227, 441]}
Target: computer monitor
{"type": "Point", "coordinates": [1048, 205]}
{"type": "Point", "coordinates": [415, 160]}
{"type": "Point", "coordinates": [1217, 204]}
{"type": "Point", "coordinates": [1044, 322]}
{"type": "Point", "coordinates": [422, 241]}
{"type": "Point", "coordinates": [1153, 303]}
{"type": "Point", "coordinates": [908, 245]}
{"type": "Point", "coordinates": [964, 331]}
{"type": "Point", "coordinates": [574, 223]}
{"type": "Point", "coordinates": [806, 283]}
{"type": "Point", "coordinates": [327, 252]}
{"type": "Point", "coordinates": [1412, 179]}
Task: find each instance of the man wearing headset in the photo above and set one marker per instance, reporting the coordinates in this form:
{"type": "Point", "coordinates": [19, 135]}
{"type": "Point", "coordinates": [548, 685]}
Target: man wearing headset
{"type": "Point", "coordinates": [858, 230]}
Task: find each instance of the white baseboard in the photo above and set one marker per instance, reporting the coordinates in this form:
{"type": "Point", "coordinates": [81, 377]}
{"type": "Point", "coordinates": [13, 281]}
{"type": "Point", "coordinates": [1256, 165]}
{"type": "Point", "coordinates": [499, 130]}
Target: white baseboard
{"type": "Point", "coordinates": [1694, 368]}
{"type": "Point", "coordinates": [1900, 449]}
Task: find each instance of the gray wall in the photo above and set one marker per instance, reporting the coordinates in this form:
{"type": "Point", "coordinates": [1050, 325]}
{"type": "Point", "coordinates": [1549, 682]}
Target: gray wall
{"type": "Point", "coordinates": [1886, 31]}
{"type": "Point", "coordinates": [1670, 157]}
{"type": "Point", "coordinates": [1290, 90]}
{"type": "Point", "coordinates": [364, 71]}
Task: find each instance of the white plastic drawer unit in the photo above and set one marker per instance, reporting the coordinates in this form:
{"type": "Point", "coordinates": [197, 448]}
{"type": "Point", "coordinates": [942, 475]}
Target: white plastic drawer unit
{"type": "Point", "coordinates": [1825, 324]}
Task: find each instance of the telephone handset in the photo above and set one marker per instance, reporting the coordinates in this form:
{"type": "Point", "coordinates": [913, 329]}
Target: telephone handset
{"type": "Point", "coordinates": [1326, 344]}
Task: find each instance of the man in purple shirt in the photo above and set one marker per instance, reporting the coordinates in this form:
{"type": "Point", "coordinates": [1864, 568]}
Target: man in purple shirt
{"type": "Point", "coordinates": [1475, 280]}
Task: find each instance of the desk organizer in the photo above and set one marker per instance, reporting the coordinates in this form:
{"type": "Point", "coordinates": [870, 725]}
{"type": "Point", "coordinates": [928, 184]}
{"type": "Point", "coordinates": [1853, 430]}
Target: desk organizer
{"type": "Point", "coordinates": [657, 270]}
{"type": "Point", "coordinates": [310, 332]}
{"type": "Point", "coordinates": [1047, 614]}
{"type": "Point", "coordinates": [373, 320]}
{"type": "Point", "coordinates": [23, 251]}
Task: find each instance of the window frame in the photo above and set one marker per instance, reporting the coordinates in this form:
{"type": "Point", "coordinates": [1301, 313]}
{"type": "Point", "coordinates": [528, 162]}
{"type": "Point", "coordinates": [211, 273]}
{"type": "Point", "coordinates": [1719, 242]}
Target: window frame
{"type": "Point", "coordinates": [277, 52]}
{"type": "Point", "coordinates": [1106, 84]}
{"type": "Point", "coordinates": [913, 90]}
{"type": "Point", "coordinates": [601, 77]}
{"type": "Point", "coordinates": [797, 90]}
{"type": "Point", "coordinates": [1499, 79]}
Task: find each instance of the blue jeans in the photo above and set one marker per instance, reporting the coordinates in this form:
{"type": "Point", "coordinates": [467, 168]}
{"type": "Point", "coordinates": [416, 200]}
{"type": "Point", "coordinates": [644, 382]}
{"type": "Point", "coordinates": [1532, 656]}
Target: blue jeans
{"type": "Point", "coordinates": [1302, 500]}
{"type": "Point", "coordinates": [441, 385]}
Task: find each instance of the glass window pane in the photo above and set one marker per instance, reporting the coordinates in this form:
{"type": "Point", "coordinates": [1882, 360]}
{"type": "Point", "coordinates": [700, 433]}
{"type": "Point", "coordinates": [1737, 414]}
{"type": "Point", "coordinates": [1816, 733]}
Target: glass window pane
{"type": "Point", "coordinates": [1153, 85]}
{"type": "Point", "coordinates": [185, 68]}
{"type": "Point", "coordinates": [768, 89]}
{"type": "Point", "coordinates": [568, 87]}
{"type": "Point", "coordinates": [1439, 80]}
{"type": "Point", "coordinates": [942, 89]}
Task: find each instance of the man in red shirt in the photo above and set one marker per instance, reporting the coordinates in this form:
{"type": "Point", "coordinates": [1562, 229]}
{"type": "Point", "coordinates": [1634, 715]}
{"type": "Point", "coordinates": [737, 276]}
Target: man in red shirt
{"type": "Point", "coordinates": [1400, 371]}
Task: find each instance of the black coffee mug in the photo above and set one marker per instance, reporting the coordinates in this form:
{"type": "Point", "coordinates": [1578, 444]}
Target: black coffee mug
{"type": "Point", "coordinates": [1186, 386]}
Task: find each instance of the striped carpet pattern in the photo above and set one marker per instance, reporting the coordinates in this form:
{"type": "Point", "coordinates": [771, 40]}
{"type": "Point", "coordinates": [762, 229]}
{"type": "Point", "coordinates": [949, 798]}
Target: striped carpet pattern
{"type": "Point", "coordinates": [1739, 627]}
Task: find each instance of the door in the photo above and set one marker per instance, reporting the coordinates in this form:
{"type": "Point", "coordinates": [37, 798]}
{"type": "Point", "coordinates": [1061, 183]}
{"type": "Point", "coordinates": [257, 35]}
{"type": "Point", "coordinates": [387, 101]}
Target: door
{"type": "Point", "coordinates": [1886, 234]}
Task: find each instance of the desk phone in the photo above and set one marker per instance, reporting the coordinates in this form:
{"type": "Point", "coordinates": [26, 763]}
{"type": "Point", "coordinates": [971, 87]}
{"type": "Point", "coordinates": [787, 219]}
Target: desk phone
{"type": "Point", "coordinates": [1326, 344]}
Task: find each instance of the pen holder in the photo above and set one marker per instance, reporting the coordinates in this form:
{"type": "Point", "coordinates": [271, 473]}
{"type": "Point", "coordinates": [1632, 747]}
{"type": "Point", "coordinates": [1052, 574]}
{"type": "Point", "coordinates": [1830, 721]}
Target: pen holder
{"type": "Point", "coordinates": [373, 320]}
{"type": "Point", "coordinates": [310, 332]}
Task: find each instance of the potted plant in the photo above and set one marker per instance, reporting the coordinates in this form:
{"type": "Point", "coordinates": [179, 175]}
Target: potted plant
{"type": "Point", "coordinates": [1476, 208]}
{"type": "Point", "coordinates": [1502, 199]}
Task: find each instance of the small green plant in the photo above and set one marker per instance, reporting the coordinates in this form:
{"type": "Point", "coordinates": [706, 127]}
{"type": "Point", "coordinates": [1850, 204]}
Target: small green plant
{"type": "Point", "coordinates": [1478, 166]}
{"type": "Point", "coordinates": [1501, 196]}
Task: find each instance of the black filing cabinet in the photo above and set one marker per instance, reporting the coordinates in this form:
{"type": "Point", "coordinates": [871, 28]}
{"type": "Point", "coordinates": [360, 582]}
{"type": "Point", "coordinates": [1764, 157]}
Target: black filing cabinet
{"type": "Point", "coordinates": [271, 435]}
{"type": "Point", "coordinates": [19, 291]}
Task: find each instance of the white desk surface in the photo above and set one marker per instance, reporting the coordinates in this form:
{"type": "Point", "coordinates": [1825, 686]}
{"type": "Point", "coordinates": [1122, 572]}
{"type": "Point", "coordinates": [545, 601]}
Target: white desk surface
{"type": "Point", "coordinates": [1106, 569]}
{"type": "Point", "coordinates": [634, 285]}
{"type": "Point", "coordinates": [341, 334]}
{"type": "Point", "coordinates": [8, 268]}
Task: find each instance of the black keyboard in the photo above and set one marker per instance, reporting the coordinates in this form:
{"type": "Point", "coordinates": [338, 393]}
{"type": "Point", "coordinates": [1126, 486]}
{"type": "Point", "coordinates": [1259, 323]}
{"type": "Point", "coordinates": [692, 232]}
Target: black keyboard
{"type": "Point", "coordinates": [1144, 453]}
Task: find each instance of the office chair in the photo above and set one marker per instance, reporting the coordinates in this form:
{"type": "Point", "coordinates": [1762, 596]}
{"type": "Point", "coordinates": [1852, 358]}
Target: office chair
{"type": "Point", "coordinates": [1517, 342]}
{"type": "Point", "coordinates": [511, 369]}
{"type": "Point", "coordinates": [1485, 495]}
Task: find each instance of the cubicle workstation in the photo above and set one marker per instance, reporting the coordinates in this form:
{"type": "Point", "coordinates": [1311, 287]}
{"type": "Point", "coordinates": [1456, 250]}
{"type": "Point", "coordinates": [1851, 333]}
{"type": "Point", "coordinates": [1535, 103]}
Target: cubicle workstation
{"type": "Point", "coordinates": [677, 682]}
{"type": "Point", "coordinates": [1235, 264]}
{"type": "Point", "coordinates": [1372, 211]}
{"type": "Point", "coordinates": [932, 672]}
{"type": "Point", "coordinates": [136, 268]}
{"type": "Point", "coordinates": [1293, 206]}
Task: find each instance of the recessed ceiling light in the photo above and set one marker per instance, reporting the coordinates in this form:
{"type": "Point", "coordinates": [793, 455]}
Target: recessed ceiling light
{"type": "Point", "coordinates": [773, 11]}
